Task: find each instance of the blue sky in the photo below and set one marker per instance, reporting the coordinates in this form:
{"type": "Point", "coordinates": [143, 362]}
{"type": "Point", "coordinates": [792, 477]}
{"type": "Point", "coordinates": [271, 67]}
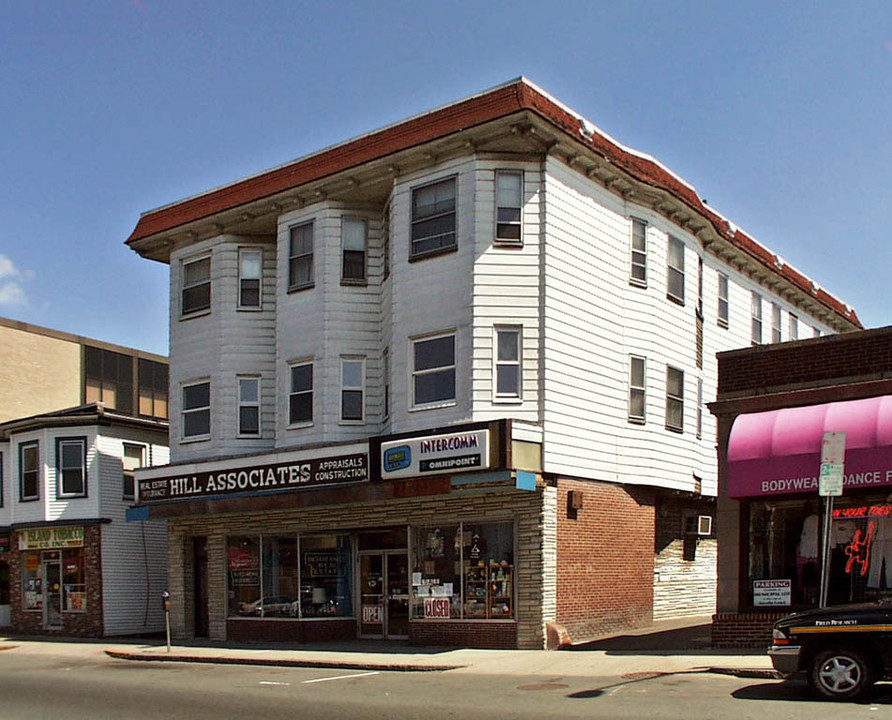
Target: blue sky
{"type": "Point", "coordinates": [779, 113]}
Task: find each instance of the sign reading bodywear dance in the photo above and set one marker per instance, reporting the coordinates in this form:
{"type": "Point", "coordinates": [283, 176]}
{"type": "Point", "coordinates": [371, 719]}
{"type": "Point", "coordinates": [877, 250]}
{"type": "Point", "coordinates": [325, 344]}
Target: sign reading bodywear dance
{"type": "Point", "coordinates": [435, 454]}
{"type": "Point", "coordinates": [256, 479]}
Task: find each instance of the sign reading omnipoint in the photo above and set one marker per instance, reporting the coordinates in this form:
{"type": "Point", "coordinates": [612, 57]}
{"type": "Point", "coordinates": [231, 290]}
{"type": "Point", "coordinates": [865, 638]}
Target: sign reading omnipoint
{"type": "Point", "coordinates": [255, 479]}
{"type": "Point", "coordinates": [435, 454]}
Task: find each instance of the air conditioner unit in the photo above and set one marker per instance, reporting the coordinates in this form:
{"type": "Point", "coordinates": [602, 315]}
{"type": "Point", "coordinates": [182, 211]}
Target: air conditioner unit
{"type": "Point", "coordinates": [704, 525]}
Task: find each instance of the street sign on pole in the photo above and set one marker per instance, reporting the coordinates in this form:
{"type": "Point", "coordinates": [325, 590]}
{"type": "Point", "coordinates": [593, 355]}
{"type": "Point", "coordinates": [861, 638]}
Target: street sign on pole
{"type": "Point", "coordinates": [831, 480]}
{"type": "Point", "coordinates": [833, 456]}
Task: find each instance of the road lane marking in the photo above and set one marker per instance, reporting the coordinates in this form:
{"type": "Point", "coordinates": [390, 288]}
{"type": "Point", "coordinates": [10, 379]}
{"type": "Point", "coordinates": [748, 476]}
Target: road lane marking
{"type": "Point", "coordinates": [272, 682]}
{"type": "Point", "coordinates": [341, 677]}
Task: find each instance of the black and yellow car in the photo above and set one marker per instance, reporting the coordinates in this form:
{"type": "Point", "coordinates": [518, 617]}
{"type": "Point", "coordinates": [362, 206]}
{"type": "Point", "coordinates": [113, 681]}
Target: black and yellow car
{"type": "Point", "coordinates": [843, 649]}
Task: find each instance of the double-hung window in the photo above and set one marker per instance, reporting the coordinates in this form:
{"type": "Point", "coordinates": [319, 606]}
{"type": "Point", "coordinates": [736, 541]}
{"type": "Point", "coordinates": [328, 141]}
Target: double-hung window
{"type": "Point", "coordinates": [300, 396]}
{"type": "Point", "coordinates": [794, 327]}
{"type": "Point", "coordinates": [300, 257]}
{"type": "Point", "coordinates": [756, 312]}
{"type": "Point", "coordinates": [29, 471]}
{"type": "Point", "coordinates": [723, 301]}
{"type": "Point", "coordinates": [250, 271]}
{"type": "Point", "coordinates": [433, 370]}
{"type": "Point", "coordinates": [248, 405]}
{"type": "Point", "coordinates": [71, 467]}
{"type": "Point", "coordinates": [675, 270]}
{"type": "Point", "coordinates": [509, 207]}
{"type": "Point", "coordinates": [775, 323]}
{"type": "Point", "coordinates": [133, 459]}
{"type": "Point", "coordinates": [196, 412]}
{"type": "Point", "coordinates": [196, 285]}
{"type": "Point", "coordinates": [637, 389]}
{"type": "Point", "coordinates": [433, 218]}
{"type": "Point", "coordinates": [699, 409]}
{"type": "Point", "coordinates": [508, 364]}
{"type": "Point", "coordinates": [352, 389]}
{"type": "Point", "coordinates": [638, 272]}
{"type": "Point", "coordinates": [353, 250]}
{"type": "Point", "coordinates": [674, 399]}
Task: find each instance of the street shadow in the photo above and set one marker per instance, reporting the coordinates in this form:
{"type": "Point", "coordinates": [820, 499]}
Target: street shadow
{"type": "Point", "coordinates": [796, 689]}
{"type": "Point", "coordinates": [693, 639]}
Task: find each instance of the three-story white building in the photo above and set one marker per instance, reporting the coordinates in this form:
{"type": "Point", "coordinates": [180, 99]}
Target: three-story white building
{"type": "Point", "coordinates": [447, 381]}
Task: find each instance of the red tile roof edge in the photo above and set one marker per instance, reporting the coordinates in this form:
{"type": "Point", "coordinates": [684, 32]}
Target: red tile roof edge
{"type": "Point", "coordinates": [484, 107]}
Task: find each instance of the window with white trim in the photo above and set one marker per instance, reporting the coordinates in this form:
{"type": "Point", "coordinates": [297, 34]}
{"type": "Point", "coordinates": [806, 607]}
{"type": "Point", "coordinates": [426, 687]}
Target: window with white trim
{"type": "Point", "coordinates": [722, 316]}
{"type": "Point", "coordinates": [509, 207]}
{"type": "Point", "coordinates": [353, 250]}
{"type": "Point", "coordinates": [674, 399]}
{"type": "Point", "coordinates": [134, 458]}
{"type": "Point", "coordinates": [250, 271]}
{"type": "Point", "coordinates": [196, 412]}
{"type": "Point", "coordinates": [29, 471]}
{"type": "Point", "coordinates": [794, 327]}
{"type": "Point", "coordinates": [508, 369]}
{"type": "Point", "coordinates": [248, 405]}
{"type": "Point", "coordinates": [433, 218]}
{"type": "Point", "coordinates": [637, 389]}
{"type": "Point", "coordinates": [675, 270]}
{"type": "Point", "coordinates": [775, 323]}
{"type": "Point", "coordinates": [300, 257]}
{"type": "Point", "coordinates": [638, 272]}
{"type": "Point", "coordinates": [353, 389]}
{"type": "Point", "coordinates": [300, 396]}
{"type": "Point", "coordinates": [433, 370]}
{"type": "Point", "coordinates": [196, 295]}
{"type": "Point", "coordinates": [71, 467]}
{"type": "Point", "coordinates": [756, 313]}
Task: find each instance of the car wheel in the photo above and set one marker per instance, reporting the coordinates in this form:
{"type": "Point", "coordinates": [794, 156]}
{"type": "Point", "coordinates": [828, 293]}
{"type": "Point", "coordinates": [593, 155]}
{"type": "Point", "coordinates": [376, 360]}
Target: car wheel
{"type": "Point", "coordinates": [841, 674]}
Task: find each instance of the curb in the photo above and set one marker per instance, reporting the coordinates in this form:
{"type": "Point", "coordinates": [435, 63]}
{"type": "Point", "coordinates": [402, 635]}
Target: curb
{"type": "Point", "coordinates": [755, 673]}
{"type": "Point", "coordinates": [273, 662]}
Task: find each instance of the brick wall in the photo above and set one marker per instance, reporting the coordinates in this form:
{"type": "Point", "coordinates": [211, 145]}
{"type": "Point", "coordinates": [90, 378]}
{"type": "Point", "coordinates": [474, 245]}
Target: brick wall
{"type": "Point", "coordinates": [743, 630]}
{"type": "Point", "coordinates": [74, 624]}
{"type": "Point", "coordinates": [487, 635]}
{"type": "Point", "coordinates": [859, 357]}
{"type": "Point", "coordinates": [605, 559]}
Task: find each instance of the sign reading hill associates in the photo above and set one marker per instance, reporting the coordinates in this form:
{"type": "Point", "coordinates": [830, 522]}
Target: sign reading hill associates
{"type": "Point", "coordinates": [257, 478]}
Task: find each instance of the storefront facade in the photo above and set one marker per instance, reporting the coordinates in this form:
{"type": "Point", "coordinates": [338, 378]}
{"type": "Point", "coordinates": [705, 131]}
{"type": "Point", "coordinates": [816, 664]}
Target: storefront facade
{"type": "Point", "coordinates": [772, 516]}
{"type": "Point", "coordinates": [316, 546]}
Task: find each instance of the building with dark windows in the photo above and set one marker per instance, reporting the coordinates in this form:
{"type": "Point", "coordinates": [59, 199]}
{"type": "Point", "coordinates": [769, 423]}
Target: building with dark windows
{"type": "Point", "coordinates": [774, 405]}
{"type": "Point", "coordinates": [447, 382]}
{"type": "Point", "coordinates": [69, 562]}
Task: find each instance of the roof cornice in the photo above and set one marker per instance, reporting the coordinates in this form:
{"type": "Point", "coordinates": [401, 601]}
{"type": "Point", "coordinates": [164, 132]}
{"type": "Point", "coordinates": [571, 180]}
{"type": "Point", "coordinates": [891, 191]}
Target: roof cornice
{"type": "Point", "coordinates": [518, 96]}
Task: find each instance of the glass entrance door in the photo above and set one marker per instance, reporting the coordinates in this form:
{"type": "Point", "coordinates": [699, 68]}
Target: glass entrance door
{"type": "Point", "coordinates": [384, 595]}
{"type": "Point", "coordinates": [52, 599]}
{"type": "Point", "coordinates": [371, 595]}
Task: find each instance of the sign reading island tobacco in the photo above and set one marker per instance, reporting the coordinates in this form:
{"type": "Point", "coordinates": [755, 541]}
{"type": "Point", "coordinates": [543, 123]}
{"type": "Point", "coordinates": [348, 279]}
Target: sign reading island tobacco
{"type": "Point", "coordinates": [256, 479]}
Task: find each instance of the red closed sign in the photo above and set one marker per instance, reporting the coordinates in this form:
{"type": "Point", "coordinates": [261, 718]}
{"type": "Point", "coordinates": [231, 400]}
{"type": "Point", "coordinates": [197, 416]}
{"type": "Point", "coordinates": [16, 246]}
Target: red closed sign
{"type": "Point", "coordinates": [436, 607]}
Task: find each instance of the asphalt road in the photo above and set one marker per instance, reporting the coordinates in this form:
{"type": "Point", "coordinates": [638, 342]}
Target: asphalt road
{"type": "Point", "coordinates": [36, 687]}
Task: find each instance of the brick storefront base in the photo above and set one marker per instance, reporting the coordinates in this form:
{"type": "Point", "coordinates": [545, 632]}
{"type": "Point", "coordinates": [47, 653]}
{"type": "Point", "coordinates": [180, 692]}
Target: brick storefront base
{"type": "Point", "coordinates": [743, 630]}
{"type": "Point", "coordinates": [298, 631]}
{"type": "Point", "coordinates": [488, 635]}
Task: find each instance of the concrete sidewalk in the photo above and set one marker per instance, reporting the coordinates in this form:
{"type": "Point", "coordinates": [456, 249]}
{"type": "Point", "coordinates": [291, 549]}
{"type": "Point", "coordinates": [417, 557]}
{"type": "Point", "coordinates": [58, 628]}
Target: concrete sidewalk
{"type": "Point", "coordinates": [663, 648]}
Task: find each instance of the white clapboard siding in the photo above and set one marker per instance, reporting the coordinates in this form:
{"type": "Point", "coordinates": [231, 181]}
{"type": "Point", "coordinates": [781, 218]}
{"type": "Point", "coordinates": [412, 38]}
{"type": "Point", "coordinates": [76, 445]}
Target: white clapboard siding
{"type": "Point", "coordinates": [134, 554]}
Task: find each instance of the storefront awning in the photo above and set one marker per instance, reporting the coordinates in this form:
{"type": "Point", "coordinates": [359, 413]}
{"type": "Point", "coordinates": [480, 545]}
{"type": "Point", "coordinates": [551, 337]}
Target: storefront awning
{"type": "Point", "coordinates": [779, 452]}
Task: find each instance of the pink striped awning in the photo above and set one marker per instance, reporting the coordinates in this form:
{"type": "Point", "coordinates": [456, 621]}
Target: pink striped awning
{"type": "Point", "coordinates": [779, 452]}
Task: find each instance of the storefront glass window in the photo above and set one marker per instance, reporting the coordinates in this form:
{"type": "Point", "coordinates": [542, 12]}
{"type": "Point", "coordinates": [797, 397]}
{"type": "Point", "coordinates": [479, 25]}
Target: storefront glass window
{"type": "Point", "coordinates": [243, 564]}
{"type": "Point", "coordinates": [287, 576]}
{"type": "Point", "coordinates": [74, 584]}
{"type": "Point", "coordinates": [326, 588]}
{"type": "Point", "coordinates": [32, 581]}
{"type": "Point", "coordinates": [471, 564]}
{"type": "Point", "coordinates": [786, 541]}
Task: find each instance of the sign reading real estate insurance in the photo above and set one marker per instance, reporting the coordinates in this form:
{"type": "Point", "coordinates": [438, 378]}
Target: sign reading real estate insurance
{"type": "Point", "coordinates": [254, 479]}
{"type": "Point", "coordinates": [435, 454]}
